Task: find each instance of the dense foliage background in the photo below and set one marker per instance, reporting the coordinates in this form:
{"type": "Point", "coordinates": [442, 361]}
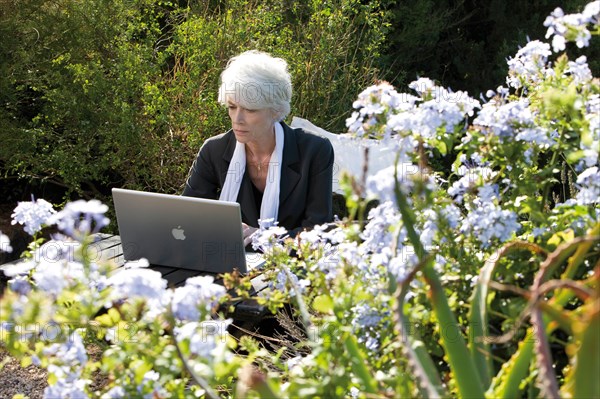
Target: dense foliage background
{"type": "Point", "coordinates": [107, 93]}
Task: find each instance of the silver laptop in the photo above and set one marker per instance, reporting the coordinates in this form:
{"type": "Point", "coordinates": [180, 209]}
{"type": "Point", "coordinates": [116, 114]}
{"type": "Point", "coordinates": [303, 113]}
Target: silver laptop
{"type": "Point", "coordinates": [182, 232]}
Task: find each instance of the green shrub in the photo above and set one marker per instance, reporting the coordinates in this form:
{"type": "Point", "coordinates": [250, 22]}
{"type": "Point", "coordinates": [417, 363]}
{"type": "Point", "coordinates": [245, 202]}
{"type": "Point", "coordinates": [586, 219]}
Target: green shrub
{"type": "Point", "coordinates": [108, 92]}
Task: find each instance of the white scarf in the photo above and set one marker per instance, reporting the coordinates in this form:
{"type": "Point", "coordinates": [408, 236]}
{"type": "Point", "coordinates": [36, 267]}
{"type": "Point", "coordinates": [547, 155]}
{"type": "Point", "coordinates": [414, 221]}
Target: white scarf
{"type": "Point", "coordinates": [270, 202]}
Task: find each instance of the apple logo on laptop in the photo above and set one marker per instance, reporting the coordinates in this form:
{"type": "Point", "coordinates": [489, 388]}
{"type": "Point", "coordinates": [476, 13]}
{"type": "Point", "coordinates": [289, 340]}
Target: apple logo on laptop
{"type": "Point", "coordinates": [178, 233]}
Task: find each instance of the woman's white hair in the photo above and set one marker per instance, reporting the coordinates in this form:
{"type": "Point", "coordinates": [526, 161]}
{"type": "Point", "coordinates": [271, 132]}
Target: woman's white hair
{"type": "Point", "coordinates": [257, 80]}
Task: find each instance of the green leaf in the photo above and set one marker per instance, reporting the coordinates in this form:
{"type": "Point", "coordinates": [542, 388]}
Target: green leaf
{"type": "Point", "coordinates": [140, 368]}
{"type": "Point", "coordinates": [359, 365]}
{"type": "Point", "coordinates": [561, 236]}
{"type": "Point", "coordinates": [441, 147]}
{"type": "Point", "coordinates": [26, 361]}
{"type": "Point", "coordinates": [507, 382]}
{"type": "Point", "coordinates": [109, 319]}
{"type": "Point", "coordinates": [464, 368]}
{"type": "Point", "coordinates": [584, 382]}
{"type": "Point", "coordinates": [575, 156]}
{"type": "Point", "coordinates": [323, 304]}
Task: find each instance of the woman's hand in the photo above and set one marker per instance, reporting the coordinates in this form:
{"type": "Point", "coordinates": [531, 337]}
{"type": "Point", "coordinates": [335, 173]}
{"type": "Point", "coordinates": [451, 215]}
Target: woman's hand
{"type": "Point", "coordinates": [247, 232]}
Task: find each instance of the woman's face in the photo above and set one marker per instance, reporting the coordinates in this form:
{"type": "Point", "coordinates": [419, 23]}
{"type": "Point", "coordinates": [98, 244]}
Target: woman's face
{"type": "Point", "coordinates": [250, 125]}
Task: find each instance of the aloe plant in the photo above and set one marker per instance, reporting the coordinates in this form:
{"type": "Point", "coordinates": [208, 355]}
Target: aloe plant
{"type": "Point", "coordinates": [472, 366]}
{"type": "Point", "coordinates": [461, 363]}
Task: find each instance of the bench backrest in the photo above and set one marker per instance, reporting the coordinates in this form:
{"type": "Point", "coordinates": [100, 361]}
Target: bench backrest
{"type": "Point", "coordinates": [349, 153]}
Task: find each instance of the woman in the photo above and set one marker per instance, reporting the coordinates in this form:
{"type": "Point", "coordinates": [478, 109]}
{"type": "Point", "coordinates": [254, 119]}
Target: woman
{"type": "Point", "coordinates": [274, 172]}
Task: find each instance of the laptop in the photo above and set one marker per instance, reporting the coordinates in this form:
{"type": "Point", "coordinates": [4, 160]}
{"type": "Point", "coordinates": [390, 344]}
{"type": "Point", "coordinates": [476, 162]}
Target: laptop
{"type": "Point", "coordinates": [182, 232]}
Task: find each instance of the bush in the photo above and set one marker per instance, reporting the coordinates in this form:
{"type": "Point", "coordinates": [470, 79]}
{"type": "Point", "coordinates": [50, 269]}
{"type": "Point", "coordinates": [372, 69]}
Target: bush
{"type": "Point", "coordinates": [464, 44]}
{"type": "Point", "coordinates": [93, 98]}
{"type": "Point", "coordinates": [75, 92]}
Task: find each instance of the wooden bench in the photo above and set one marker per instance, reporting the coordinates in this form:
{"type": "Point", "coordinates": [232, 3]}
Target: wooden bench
{"type": "Point", "coordinates": [108, 248]}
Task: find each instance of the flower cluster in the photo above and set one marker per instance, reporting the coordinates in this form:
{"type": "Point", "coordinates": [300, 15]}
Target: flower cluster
{"type": "Point", "coordinates": [32, 215]}
{"type": "Point", "coordinates": [382, 112]}
{"type": "Point", "coordinates": [150, 387]}
{"type": "Point", "coordinates": [367, 322]}
{"type": "Point", "coordinates": [513, 120]}
{"type": "Point", "coordinates": [472, 177]}
{"type": "Point", "coordinates": [207, 341]}
{"type": "Point", "coordinates": [374, 105]}
{"type": "Point", "coordinates": [81, 218]}
{"type": "Point", "coordinates": [440, 108]}
{"type": "Point", "coordinates": [5, 243]}
{"type": "Point", "coordinates": [572, 27]}
{"type": "Point", "coordinates": [529, 64]}
{"type": "Point", "coordinates": [488, 221]}
{"type": "Point", "coordinates": [580, 70]}
{"type": "Point", "coordinates": [269, 237]}
{"type": "Point", "coordinates": [199, 294]}
{"type": "Point", "coordinates": [140, 283]}
{"type": "Point", "coordinates": [67, 365]}
{"type": "Point", "coordinates": [588, 183]}
{"type": "Point", "coordinates": [590, 143]}
{"type": "Point", "coordinates": [60, 272]}
{"type": "Point", "coordinates": [287, 281]}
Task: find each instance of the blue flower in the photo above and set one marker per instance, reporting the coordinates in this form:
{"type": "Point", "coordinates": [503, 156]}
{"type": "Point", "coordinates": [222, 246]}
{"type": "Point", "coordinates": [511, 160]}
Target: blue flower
{"type": "Point", "coordinates": [535, 135]}
{"type": "Point", "coordinates": [374, 104]}
{"type": "Point", "coordinates": [68, 360]}
{"type": "Point", "coordinates": [286, 279]}
{"type": "Point", "coordinates": [403, 263]}
{"type": "Point", "coordinates": [378, 233]}
{"type": "Point", "coordinates": [571, 27]}
{"type": "Point", "coordinates": [591, 146]}
{"type": "Point", "coordinates": [367, 324]}
{"type": "Point", "coordinates": [472, 178]}
{"type": "Point", "coordinates": [269, 236]}
{"type": "Point", "coordinates": [427, 234]}
{"type": "Point", "coordinates": [19, 269]}
{"type": "Point", "coordinates": [207, 339]}
{"type": "Point", "coordinates": [505, 120]}
{"type": "Point", "coordinates": [488, 221]}
{"type": "Point", "coordinates": [140, 283]}
{"type": "Point", "coordinates": [54, 277]}
{"type": "Point", "coordinates": [71, 354]}
{"type": "Point", "coordinates": [33, 215]}
{"type": "Point", "coordinates": [366, 316]}
{"type": "Point", "coordinates": [580, 70]}
{"type": "Point", "coordinates": [328, 265]}
{"type": "Point", "coordinates": [199, 292]}
{"type": "Point", "coordinates": [20, 285]}
{"type": "Point", "coordinates": [151, 382]}
{"type": "Point", "coordinates": [114, 393]}
{"type": "Point", "coordinates": [5, 243]}
{"type": "Point", "coordinates": [81, 218]}
{"type": "Point", "coordinates": [64, 389]}
{"type": "Point", "coordinates": [529, 64]}
{"type": "Point", "coordinates": [588, 183]}
{"type": "Point", "coordinates": [382, 184]}
{"type": "Point", "coordinates": [452, 215]}
{"type": "Point", "coordinates": [137, 282]}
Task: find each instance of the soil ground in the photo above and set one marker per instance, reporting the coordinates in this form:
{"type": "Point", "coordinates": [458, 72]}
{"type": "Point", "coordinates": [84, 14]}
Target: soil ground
{"type": "Point", "coordinates": [29, 381]}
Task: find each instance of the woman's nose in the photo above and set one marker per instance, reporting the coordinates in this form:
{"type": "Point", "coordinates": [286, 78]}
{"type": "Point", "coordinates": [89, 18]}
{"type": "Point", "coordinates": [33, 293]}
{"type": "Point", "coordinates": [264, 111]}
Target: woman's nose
{"type": "Point", "coordinates": [238, 116]}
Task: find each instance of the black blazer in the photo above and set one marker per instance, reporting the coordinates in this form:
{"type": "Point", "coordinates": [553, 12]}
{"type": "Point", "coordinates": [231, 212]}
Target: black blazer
{"type": "Point", "coordinates": [305, 197]}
